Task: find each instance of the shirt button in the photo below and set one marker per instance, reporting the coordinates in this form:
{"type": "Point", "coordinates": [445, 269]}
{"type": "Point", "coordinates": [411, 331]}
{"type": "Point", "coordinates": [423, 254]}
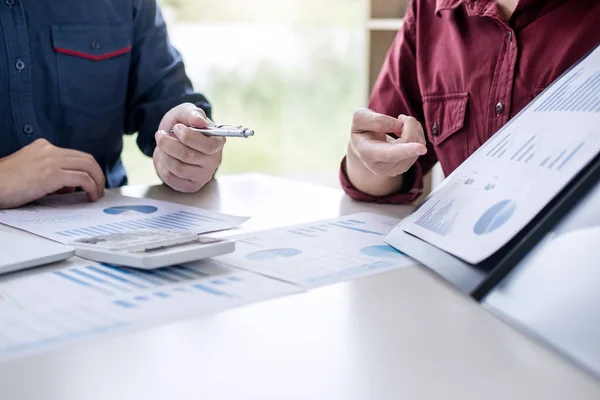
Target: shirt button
{"type": "Point", "coordinates": [435, 130]}
{"type": "Point", "coordinates": [28, 129]}
{"type": "Point", "coordinates": [10, 3]}
{"type": "Point", "coordinates": [20, 65]}
{"type": "Point", "coordinates": [510, 35]}
{"type": "Point", "coordinates": [499, 108]}
{"type": "Point", "coordinates": [95, 45]}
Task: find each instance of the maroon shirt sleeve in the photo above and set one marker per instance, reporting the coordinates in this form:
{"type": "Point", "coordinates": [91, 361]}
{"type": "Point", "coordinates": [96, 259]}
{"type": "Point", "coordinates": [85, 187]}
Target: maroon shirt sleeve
{"type": "Point", "coordinates": [397, 92]}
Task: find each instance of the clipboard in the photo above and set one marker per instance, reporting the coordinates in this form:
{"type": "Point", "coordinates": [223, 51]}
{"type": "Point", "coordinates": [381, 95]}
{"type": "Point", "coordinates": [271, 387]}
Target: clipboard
{"type": "Point", "coordinates": [477, 280]}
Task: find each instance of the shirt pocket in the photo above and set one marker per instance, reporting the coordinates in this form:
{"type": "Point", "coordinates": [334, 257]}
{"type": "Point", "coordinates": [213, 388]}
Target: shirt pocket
{"type": "Point", "coordinates": [93, 66]}
{"type": "Point", "coordinates": [445, 118]}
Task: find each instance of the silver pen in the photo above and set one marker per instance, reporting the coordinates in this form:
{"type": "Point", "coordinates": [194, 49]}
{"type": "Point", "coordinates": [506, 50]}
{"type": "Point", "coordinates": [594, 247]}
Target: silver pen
{"type": "Point", "coordinates": [224, 131]}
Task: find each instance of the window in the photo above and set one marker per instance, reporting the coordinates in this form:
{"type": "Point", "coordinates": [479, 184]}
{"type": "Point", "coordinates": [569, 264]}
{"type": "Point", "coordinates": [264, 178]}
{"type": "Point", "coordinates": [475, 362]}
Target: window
{"type": "Point", "coordinates": [292, 70]}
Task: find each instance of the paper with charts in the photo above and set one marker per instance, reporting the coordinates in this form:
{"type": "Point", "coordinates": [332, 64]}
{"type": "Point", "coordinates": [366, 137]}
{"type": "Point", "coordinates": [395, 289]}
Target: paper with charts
{"type": "Point", "coordinates": [66, 218]}
{"type": "Point", "coordinates": [85, 300]}
{"type": "Point", "coordinates": [513, 176]}
{"type": "Point", "coordinates": [320, 253]}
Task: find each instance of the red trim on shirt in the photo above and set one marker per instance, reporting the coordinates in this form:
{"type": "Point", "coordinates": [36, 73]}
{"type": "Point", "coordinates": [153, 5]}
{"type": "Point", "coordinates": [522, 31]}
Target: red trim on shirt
{"type": "Point", "coordinates": [93, 57]}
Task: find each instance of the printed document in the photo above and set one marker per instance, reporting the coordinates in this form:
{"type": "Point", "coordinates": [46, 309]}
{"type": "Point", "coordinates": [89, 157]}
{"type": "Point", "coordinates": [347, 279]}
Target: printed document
{"type": "Point", "coordinates": [65, 218]}
{"type": "Point", "coordinates": [320, 253]}
{"type": "Point", "coordinates": [512, 177]}
{"type": "Point", "coordinates": [85, 300]}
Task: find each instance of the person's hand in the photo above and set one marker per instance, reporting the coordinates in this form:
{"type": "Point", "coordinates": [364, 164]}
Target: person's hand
{"type": "Point", "coordinates": [186, 160]}
{"type": "Point", "coordinates": [376, 161]}
{"type": "Point", "coordinates": [41, 168]}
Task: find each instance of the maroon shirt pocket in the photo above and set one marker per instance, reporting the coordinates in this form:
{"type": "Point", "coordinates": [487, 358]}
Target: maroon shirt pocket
{"type": "Point", "coordinates": [445, 120]}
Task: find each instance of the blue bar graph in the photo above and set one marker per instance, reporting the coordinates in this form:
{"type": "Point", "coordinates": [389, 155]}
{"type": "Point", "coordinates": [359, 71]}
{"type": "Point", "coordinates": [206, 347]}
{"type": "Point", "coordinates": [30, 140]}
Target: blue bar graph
{"type": "Point", "coordinates": [182, 220]}
{"type": "Point", "coordinates": [192, 271]}
{"type": "Point", "coordinates": [214, 292]}
{"type": "Point", "coordinates": [133, 289]}
{"type": "Point", "coordinates": [125, 304]}
{"type": "Point", "coordinates": [574, 95]}
{"type": "Point", "coordinates": [82, 282]}
{"type": "Point", "coordinates": [176, 273]}
{"type": "Point", "coordinates": [161, 275]}
{"type": "Point", "coordinates": [96, 279]}
{"type": "Point", "coordinates": [339, 225]}
{"type": "Point", "coordinates": [297, 232]}
{"type": "Point", "coordinates": [117, 278]}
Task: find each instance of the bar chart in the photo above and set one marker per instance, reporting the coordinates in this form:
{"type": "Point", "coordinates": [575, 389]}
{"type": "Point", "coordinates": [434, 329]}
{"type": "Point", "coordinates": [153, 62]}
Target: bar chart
{"type": "Point", "coordinates": [87, 300]}
{"type": "Point", "coordinates": [65, 218]}
{"type": "Point", "coordinates": [578, 93]}
{"type": "Point", "coordinates": [320, 253]}
{"type": "Point", "coordinates": [130, 288]}
{"type": "Point", "coordinates": [183, 220]}
{"type": "Point", "coordinates": [31, 320]}
{"type": "Point", "coordinates": [512, 177]}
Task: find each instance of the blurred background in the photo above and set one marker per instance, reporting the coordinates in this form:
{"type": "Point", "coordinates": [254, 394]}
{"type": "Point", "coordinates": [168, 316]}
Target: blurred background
{"type": "Point", "coordinates": [292, 70]}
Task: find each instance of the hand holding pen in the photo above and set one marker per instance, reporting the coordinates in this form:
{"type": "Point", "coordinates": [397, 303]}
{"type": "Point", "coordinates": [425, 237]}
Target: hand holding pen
{"type": "Point", "coordinates": [223, 131]}
{"type": "Point", "coordinates": [187, 158]}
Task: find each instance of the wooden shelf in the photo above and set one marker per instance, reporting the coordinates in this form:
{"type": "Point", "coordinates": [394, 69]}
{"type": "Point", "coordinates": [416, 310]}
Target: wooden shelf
{"type": "Point", "coordinates": [383, 20]}
{"type": "Point", "coordinates": [384, 24]}
{"type": "Point", "coordinates": [387, 8]}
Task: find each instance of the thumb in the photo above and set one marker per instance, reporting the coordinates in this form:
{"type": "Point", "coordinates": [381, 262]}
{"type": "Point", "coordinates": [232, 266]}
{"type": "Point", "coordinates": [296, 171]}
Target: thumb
{"type": "Point", "coordinates": [412, 130]}
{"type": "Point", "coordinates": [190, 115]}
{"type": "Point", "coordinates": [198, 119]}
{"type": "Point", "coordinates": [399, 151]}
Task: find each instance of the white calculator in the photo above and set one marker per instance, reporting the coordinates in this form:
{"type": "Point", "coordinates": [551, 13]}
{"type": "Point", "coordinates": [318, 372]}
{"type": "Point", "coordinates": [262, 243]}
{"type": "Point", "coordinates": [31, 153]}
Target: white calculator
{"type": "Point", "coordinates": [149, 249]}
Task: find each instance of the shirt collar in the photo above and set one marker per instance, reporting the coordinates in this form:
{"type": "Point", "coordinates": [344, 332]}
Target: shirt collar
{"type": "Point", "coordinates": [475, 7]}
{"type": "Point", "coordinates": [447, 5]}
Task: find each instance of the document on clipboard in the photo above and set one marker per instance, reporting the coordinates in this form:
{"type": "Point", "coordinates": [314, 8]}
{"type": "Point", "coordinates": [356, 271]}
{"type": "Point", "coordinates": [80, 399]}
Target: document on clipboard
{"type": "Point", "coordinates": [495, 193]}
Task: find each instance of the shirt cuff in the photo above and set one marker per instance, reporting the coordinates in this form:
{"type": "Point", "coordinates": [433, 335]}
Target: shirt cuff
{"type": "Point", "coordinates": [406, 196]}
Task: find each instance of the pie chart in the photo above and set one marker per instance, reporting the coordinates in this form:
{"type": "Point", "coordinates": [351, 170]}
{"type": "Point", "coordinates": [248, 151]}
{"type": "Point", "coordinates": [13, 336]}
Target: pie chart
{"type": "Point", "coordinates": [495, 217]}
{"type": "Point", "coordinates": [130, 210]}
{"type": "Point", "coordinates": [273, 254]}
{"type": "Point", "coordinates": [381, 251]}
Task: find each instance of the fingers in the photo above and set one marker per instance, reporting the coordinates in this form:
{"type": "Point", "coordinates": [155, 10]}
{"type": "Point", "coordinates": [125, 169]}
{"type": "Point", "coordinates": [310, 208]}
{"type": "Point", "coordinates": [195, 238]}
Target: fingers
{"type": "Point", "coordinates": [197, 141]}
{"type": "Point", "coordinates": [365, 120]}
{"type": "Point", "coordinates": [178, 168]}
{"type": "Point", "coordinates": [190, 115]}
{"type": "Point", "coordinates": [378, 151]}
{"type": "Point", "coordinates": [412, 132]}
{"type": "Point", "coordinates": [77, 161]}
{"type": "Point", "coordinates": [372, 150]}
{"type": "Point", "coordinates": [191, 148]}
{"type": "Point", "coordinates": [69, 160]}
{"type": "Point", "coordinates": [177, 183]}
{"type": "Point", "coordinates": [80, 179]}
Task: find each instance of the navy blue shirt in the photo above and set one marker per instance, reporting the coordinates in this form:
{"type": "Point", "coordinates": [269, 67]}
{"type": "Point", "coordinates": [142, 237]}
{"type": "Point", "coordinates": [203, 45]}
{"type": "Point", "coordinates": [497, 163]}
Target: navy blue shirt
{"type": "Point", "coordinates": [81, 73]}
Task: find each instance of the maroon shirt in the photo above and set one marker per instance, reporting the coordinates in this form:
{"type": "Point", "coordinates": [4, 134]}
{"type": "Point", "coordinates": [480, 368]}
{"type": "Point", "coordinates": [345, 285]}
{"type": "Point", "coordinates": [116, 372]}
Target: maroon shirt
{"type": "Point", "coordinates": [464, 71]}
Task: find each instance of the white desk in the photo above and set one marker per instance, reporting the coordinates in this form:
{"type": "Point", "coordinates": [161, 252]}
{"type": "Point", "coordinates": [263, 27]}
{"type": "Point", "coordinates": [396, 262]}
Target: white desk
{"type": "Point", "coordinates": [398, 335]}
